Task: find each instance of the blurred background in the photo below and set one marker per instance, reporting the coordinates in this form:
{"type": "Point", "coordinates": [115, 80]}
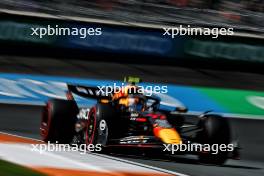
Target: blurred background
{"type": "Point", "coordinates": [148, 17]}
{"type": "Point", "coordinates": [223, 74]}
{"type": "Point", "coordinates": [242, 14]}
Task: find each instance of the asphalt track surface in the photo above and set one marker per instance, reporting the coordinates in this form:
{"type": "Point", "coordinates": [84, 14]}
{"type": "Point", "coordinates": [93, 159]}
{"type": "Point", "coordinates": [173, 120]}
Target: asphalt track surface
{"type": "Point", "coordinates": [25, 120]}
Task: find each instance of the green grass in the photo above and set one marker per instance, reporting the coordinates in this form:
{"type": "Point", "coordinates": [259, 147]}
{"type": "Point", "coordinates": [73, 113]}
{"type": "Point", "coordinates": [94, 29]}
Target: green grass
{"type": "Point", "coordinates": [10, 169]}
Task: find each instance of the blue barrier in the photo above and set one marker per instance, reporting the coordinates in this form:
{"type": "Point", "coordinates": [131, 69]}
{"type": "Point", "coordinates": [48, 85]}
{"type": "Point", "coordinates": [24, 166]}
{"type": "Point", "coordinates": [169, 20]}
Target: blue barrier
{"type": "Point", "coordinates": [110, 39]}
{"type": "Point", "coordinates": [127, 41]}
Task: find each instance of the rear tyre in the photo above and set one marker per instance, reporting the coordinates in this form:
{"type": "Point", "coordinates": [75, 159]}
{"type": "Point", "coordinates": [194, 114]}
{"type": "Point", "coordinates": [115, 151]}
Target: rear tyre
{"type": "Point", "coordinates": [216, 131]}
{"type": "Point", "coordinates": [99, 124]}
{"type": "Point", "coordinates": [58, 121]}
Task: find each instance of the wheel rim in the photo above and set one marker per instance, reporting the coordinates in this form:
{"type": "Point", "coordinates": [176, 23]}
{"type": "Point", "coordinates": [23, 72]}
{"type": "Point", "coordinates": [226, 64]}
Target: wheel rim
{"type": "Point", "coordinates": [91, 126]}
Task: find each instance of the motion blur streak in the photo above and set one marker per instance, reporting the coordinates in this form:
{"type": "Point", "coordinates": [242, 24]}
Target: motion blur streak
{"type": "Point", "coordinates": [24, 120]}
{"type": "Point", "coordinates": [244, 15]}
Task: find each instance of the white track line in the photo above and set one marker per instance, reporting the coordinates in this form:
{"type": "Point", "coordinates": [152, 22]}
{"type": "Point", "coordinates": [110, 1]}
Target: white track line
{"type": "Point", "coordinates": [45, 159]}
{"type": "Point", "coordinates": [100, 156]}
{"type": "Point", "coordinates": [140, 164]}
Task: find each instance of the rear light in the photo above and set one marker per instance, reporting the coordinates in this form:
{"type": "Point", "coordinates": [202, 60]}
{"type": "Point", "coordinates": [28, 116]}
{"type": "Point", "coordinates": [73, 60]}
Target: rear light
{"type": "Point", "coordinates": [141, 119]}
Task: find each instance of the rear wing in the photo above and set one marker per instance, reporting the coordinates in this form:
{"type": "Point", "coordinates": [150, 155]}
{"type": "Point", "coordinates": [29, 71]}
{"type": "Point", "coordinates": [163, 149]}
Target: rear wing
{"type": "Point", "coordinates": [88, 92]}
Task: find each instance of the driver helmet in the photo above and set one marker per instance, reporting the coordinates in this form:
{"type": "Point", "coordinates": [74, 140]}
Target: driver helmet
{"type": "Point", "coordinates": [129, 98]}
{"type": "Point", "coordinates": [135, 104]}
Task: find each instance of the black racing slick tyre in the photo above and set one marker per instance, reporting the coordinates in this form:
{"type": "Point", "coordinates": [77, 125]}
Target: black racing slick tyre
{"type": "Point", "coordinates": [58, 121]}
{"type": "Point", "coordinates": [215, 132]}
{"type": "Point", "coordinates": [99, 126]}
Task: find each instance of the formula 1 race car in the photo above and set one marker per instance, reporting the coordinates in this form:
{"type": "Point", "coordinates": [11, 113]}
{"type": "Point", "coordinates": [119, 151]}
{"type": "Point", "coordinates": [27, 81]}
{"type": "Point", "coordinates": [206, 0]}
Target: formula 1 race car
{"type": "Point", "coordinates": [130, 119]}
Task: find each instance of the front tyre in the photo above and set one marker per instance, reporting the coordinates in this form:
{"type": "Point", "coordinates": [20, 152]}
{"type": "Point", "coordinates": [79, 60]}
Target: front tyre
{"type": "Point", "coordinates": [215, 131]}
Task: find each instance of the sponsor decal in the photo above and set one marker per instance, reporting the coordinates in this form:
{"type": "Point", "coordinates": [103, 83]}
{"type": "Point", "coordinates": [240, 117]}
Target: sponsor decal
{"type": "Point", "coordinates": [102, 125]}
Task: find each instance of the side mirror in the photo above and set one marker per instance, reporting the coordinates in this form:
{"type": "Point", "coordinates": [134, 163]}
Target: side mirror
{"type": "Point", "coordinates": [181, 109]}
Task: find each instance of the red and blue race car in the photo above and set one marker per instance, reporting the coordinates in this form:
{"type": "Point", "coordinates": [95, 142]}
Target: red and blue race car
{"type": "Point", "coordinates": [131, 119]}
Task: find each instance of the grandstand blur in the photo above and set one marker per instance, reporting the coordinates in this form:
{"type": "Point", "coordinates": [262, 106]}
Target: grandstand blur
{"type": "Point", "coordinates": [247, 15]}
